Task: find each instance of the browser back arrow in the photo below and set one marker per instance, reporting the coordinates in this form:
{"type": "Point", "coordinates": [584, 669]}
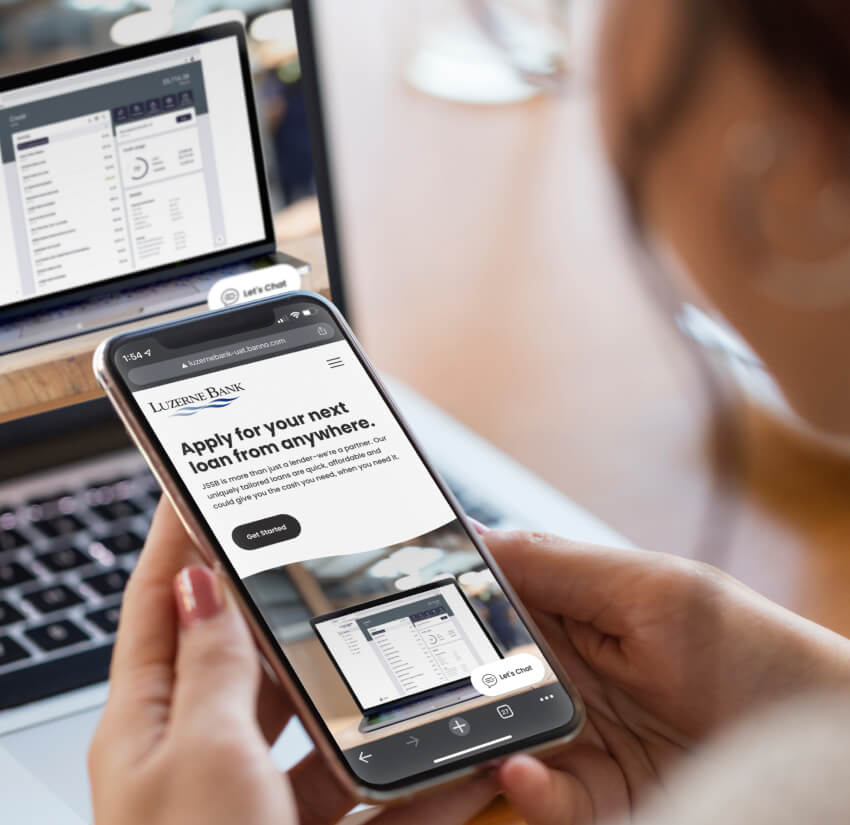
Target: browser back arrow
{"type": "Point", "coordinates": [365, 757]}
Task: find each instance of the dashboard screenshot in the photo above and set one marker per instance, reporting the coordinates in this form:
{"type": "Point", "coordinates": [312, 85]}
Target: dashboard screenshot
{"type": "Point", "coordinates": [126, 168]}
{"type": "Point", "coordinates": [408, 646]}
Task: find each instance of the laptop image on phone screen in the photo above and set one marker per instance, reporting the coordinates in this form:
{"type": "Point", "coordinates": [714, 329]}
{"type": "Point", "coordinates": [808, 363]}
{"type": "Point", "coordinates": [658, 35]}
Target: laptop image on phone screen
{"type": "Point", "coordinates": [407, 654]}
{"type": "Point", "coordinates": [76, 499]}
{"type": "Point", "coordinates": [131, 182]}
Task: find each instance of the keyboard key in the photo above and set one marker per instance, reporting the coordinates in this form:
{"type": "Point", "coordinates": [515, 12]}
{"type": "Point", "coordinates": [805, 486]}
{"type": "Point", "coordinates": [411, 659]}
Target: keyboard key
{"type": "Point", "coordinates": [27, 684]}
{"type": "Point", "coordinates": [124, 489]}
{"type": "Point", "coordinates": [106, 619]}
{"type": "Point", "coordinates": [11, 540]}
{"type": "Point", "coordinates": [122, 543]}
{"type": "Point", "coordinates": [10, 651]}
{"type": "Point", "coordinates": [62, 525]}
{"type": "Point", "coordinates": [57, 634]}
{"type": "Point", "coordinates": [65, 559]}
{"type": "Point", "coordinates": [53, 598]}
{"type": "Point", "coordinates": [109, 482]}
{"type": "Point", "coordinates": [13, 574]}
{"type": "Point", "coordinates": [59, 504]}
{"type": "Point", "coordinates": [146, 481]}
{"type": "Point", "coordinates": [149, 485]}
{"type": "Point", "coordinates": [100, 495]}
{"type": "Point", "coordinates": [8, 614]}
{"type": "Point", "coordinates": [50, 502]}
{"type": "Point", "coordinates": [117, 509]}
{"type": "Point", "coordinates": [109, 583]}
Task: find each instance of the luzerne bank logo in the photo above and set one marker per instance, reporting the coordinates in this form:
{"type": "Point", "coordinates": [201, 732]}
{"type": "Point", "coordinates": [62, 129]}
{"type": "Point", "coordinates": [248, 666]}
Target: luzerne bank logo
{"type": "Point", "coordinates": [209, 398]}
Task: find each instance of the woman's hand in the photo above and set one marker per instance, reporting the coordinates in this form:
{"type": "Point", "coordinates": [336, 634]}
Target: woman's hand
{"type": "Point", "coordinates": [186, 731]}
{"type": "Point", "coordinates": [663, 651]}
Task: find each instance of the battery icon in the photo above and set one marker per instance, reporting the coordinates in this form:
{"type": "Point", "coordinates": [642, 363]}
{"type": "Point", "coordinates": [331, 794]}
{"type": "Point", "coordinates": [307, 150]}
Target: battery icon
{"type": "Point", "coordinates": [307, 312]}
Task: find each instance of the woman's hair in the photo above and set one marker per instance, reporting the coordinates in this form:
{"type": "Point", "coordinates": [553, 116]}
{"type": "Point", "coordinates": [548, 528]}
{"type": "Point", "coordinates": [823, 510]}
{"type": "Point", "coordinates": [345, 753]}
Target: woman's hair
{"type": "Point", "coordinates": [805, 42]}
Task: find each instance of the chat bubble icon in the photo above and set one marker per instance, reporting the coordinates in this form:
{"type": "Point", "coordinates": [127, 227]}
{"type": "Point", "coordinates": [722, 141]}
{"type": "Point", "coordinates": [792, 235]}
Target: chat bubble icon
{"type": "Point", "coordinates": [509, 674]}
{"type": "Point", "coordinates": [230, 296]}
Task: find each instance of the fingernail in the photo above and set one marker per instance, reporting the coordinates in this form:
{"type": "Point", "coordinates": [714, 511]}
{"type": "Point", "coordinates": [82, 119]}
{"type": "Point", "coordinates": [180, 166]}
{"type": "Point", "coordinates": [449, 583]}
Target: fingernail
{"type": "Point", "coordinates": [480, 528]}
{"type": "Point", "coordinates": [198, 596]}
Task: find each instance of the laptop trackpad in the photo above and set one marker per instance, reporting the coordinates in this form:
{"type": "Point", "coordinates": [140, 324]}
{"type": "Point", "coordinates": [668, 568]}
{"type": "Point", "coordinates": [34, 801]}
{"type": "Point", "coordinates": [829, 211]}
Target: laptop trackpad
{"type": "Point", "coordinates": [19, 806]}
{"type": "Point", "coordinates": [55, 753]}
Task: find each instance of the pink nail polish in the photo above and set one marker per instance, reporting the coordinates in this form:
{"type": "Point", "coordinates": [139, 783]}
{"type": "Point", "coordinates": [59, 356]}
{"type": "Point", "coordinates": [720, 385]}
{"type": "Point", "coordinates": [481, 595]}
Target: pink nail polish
{"type": "Point", "coordinates": [198, 596]}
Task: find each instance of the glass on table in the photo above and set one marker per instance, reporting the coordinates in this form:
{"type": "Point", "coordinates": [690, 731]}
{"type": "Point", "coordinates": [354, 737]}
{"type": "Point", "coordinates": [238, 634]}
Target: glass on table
{"type": "Point", "coordinates": [490, 51]}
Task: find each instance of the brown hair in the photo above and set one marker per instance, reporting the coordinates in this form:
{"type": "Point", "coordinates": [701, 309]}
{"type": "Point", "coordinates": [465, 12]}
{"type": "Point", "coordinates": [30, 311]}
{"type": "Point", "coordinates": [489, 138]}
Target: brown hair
{"type": "Point", "coordinates": [806, 42]}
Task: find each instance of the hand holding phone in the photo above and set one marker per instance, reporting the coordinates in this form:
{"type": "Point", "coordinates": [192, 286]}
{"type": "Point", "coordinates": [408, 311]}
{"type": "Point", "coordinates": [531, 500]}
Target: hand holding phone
{"type": "Point", "coordinates": [409, 659]}
{"type": "Point", "coordinates": [203, 754]}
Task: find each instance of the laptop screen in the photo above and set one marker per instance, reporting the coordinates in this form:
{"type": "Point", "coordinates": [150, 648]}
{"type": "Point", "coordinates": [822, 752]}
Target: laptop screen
{"type": "Point", "coordinates": [158, 148]}
{"type": "Point", "coordinates": [406, 645]}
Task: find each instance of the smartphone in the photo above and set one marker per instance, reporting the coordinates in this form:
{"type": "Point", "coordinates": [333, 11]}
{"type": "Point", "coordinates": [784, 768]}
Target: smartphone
{"type": "Point", "coordinates": [410, 660]}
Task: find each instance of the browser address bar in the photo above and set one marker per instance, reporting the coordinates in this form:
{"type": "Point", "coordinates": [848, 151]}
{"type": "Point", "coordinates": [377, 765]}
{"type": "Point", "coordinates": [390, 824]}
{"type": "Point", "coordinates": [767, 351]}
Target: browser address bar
{"type": "Point", "coordinates": [65, 85]}
{"type": "Point", "coordinates": [228, 356]}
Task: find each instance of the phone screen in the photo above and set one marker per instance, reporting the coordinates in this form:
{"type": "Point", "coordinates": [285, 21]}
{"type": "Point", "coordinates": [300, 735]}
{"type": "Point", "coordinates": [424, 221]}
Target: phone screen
{"type": "Point", "coordinates": [407, 647]}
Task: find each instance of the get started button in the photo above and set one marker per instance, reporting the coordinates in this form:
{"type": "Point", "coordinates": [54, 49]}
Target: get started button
{"type": "Point", "coordinates": [266, 531]}
{"type": "Point", "coordinates": [504, 675]}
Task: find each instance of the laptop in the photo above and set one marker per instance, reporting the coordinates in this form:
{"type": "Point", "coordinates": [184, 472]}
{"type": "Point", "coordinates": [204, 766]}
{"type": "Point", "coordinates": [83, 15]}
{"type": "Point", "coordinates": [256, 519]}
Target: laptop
{"type": "Point", "coordinates": [427, 640]}
{"type": "Point", "coordinates": [161, 144]}
{"type": "Point", "coordinates": [76, 501]}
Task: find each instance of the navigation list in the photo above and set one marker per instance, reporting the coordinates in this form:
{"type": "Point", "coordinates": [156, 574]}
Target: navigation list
{"type": "Point", "coordinates": [406, 655]}
{"type": "Point", "coordinates": [426, 648]}
{"type": "Point", "coordinates": [71, 195]}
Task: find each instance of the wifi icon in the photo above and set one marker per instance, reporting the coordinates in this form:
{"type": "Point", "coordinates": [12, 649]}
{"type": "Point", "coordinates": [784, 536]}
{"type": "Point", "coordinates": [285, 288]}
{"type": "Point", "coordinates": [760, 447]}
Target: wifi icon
{"type": "Point", "coordinates": [295, 314]}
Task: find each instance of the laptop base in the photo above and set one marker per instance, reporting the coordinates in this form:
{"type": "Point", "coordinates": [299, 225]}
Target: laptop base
{"type": "Point", "coordinates": [128, 305]}
{"type": "Point", "coordinates": [417, 708]}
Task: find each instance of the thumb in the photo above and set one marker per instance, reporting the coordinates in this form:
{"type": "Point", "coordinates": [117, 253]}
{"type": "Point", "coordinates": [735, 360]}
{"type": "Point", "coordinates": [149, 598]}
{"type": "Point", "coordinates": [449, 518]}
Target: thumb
{"type": "Point", "coordinates": [217, 672]}
{"type": "Point", "coordinates": [543, 796]}
{"type": "Point", "coordinates": [583, 582]}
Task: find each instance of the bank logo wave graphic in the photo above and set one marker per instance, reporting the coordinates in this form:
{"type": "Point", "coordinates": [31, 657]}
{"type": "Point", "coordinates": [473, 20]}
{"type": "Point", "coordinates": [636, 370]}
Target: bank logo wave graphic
{"type": "Point", "coordinates": [215, 404]}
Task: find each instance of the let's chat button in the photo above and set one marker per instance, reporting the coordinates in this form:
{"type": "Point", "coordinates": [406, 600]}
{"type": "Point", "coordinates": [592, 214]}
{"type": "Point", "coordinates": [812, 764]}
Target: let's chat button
{"type": "Point", "coordinates": [504, 675]}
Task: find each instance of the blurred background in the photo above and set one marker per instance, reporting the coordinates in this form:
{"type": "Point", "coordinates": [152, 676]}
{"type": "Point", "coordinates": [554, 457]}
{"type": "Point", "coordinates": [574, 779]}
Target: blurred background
{"type": "Point", "coordinates": [490, 267]}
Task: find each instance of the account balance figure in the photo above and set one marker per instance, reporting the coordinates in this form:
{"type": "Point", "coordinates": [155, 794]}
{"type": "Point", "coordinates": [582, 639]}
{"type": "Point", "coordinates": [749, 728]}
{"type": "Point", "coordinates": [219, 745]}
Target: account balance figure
{"type": "Point", "coordinates": [728, 124]}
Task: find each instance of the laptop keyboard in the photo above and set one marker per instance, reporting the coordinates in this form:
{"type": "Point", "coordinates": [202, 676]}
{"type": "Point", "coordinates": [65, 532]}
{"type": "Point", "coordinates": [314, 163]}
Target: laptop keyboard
{"type": "Point", "coordinates": [65, 557]}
